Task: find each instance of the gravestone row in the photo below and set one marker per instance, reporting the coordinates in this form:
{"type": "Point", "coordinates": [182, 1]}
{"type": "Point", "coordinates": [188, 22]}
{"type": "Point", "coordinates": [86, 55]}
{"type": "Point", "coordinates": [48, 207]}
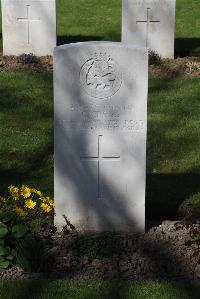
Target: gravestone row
{"type": "Point", "coordinates": [100, 109]}
{"type": "Point", "coordinates": [29, 26]}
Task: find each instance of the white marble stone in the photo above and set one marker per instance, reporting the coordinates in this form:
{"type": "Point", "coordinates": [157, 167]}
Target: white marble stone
{"type": "Point", "coordinates": [29, 26]}
{"type": "Point", "coordinates": [100, 106]}
{"type": "Point", "coordinates": [150, 23]}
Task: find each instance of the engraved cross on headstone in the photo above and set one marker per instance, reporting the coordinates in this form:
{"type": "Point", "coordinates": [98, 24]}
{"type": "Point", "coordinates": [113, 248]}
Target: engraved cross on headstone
{"type": "Point", "coordinates": [28, 20]}
{"type": "Point", "coordinates": [100, 159]}
{"type": "Point", "coordinates": [148, 21]}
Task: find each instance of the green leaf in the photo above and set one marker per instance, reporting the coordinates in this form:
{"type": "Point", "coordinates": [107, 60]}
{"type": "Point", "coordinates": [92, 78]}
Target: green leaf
{"type": "Point", "coordinates": [3, 230]}
{"type": "Point", "coordinates": [10, 257]}
{"type": "Point", "coordinates": [19, 230]}
{"type": "Point", "coordinates": [23, 262]}
{"type": "Point", "coordinates": [2, 242]}
{"type": "Point", "coordinates": [14, 252]}
{"type": "Point", "coordinates": [8, 216]}
{"type": "Point", "coordinates": [4, 263]}
{"type": "Point", "coordinates": [1, 216]}
{"type": "Point", "coordinates": [4, 250]}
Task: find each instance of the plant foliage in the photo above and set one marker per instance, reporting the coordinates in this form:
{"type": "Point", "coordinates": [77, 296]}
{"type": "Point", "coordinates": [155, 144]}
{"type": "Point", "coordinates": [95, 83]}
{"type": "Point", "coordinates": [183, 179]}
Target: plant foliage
{"type": "Point", "coordinates": [18, 210]}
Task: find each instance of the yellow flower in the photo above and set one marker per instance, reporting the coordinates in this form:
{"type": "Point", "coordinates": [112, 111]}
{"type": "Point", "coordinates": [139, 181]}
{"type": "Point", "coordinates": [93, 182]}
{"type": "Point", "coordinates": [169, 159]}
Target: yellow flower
{"type": "Point", "coordinates": [14, 192]}
{"type": "Point", "coordinates": [36, 192]}
{"type": "Point", "coordinates": [2, 199]}
{"type": "Point", "coordinates": [45, 207]}
{"type": "Point", "coordinates": [47, 200]}
{"type": "Point", "coordinates": [50, 202]}
{"type": "Point", "coordinates": [30, 204]}
{"type": "Point", "coordinates": [25, 191]}
{"type": "Point", "coordinates": [42, 198]}
{"type": "Point", "coordinates": [20, 212]}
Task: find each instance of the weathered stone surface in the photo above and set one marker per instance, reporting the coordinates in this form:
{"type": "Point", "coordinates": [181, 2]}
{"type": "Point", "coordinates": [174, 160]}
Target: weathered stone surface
{"type": "Point", "coordinates": [100, 135]}
{"type": "Point", "coordinates": [150, 23]}
{"type": "Point", "coordinates": [29, 26]}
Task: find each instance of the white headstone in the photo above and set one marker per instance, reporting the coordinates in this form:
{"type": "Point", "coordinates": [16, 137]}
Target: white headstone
{"type": "Point", "coordinates": [150, 23]}
{"type": "Point", "coordinates": [29, 26]}
{"type": "Point", "coordinates": [100, 106]}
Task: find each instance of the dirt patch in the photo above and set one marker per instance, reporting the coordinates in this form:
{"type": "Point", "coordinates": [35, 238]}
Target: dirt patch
{"type": "Point", "coordinates": [180, 67]}
{"type": "Point", "coordinates": [11, 64]}
{"type": "Point", "coordinates": [169, 251]}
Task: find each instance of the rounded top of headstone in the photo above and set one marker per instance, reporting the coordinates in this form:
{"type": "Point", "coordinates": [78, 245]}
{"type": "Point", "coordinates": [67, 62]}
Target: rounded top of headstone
{"type": "Point", "coordinates": [100, 43]}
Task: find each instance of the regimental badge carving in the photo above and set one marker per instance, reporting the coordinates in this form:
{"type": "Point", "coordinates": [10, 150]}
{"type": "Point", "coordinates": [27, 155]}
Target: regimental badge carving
{"type": "Point", "coordinates": [100, 76]}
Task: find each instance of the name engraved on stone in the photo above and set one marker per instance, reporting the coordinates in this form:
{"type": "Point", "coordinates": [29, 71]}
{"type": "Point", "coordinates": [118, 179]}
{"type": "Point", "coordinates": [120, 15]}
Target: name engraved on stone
{"type": "Point", "coordinates": [147, 22]}
{"type": "Point", "coordinates": [153, 3]}
{"type": "Point", "coordinates": [100, 158]}
{"type": "Point", "coordinates": [100, 76]}
{"type": "Point", "coordinates": [28, 20]}
{"type": "Point", "coordinates": [110, 108]}
{"type": "Point", "coordinates": [116, 125]}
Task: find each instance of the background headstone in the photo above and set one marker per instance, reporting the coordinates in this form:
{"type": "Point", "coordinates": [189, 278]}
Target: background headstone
{"type": "Point", "coordinates": [150, 23]}
{"type": "Point", "coordinates": [100, 106]}
{"type": "Point", "coordinates": [28, 27]}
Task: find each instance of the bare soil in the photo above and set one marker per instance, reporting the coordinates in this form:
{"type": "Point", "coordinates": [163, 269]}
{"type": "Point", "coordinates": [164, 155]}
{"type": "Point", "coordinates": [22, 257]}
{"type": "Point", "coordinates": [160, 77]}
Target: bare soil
{"type": "Point", "coordinates": [10, 64]}
{"type": "Point", "coordinates": [170, 251]}
{"type": "Point", "coordinates": [179, 67]}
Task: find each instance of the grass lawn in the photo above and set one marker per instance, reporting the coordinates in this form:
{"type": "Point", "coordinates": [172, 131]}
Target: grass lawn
{"type": "Point", "coordinates": [173, 157]}
{"type": "Point", "coordinates": [26, 130]}
{"type": "Point", "coordinates": [80, 20]}
{"type": "Point", "coordinates": [96, 290]}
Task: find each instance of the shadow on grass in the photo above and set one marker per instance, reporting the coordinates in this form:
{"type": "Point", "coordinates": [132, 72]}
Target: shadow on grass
{"type": "Point", "coordinates": [161, 188]}
{"type": "Point", "coordinates": [29, 174]}
{"type": "Point", "coordinates": [26, 145]}
{"type": "Point", "coordinates": [100, 290]}
{"type": "Point", "coordinates": [1, 43]}
{"type": "Point", "coordinates": [67, 39]}
{"type": "Point", "coordinates": [167, 142]}
{"type": "Point", "coordinates": [62, 40]}
{"type": "Point", "coordinates": [165, 192]}
{"type": "Point", "coordinates": [187, 47]}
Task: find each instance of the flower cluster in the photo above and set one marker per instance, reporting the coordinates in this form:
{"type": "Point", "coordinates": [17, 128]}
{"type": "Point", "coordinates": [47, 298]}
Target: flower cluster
{"type": "Point", "coordinates": [25, 200]}
{"type": "Point", "coordinates": [27, 58]}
